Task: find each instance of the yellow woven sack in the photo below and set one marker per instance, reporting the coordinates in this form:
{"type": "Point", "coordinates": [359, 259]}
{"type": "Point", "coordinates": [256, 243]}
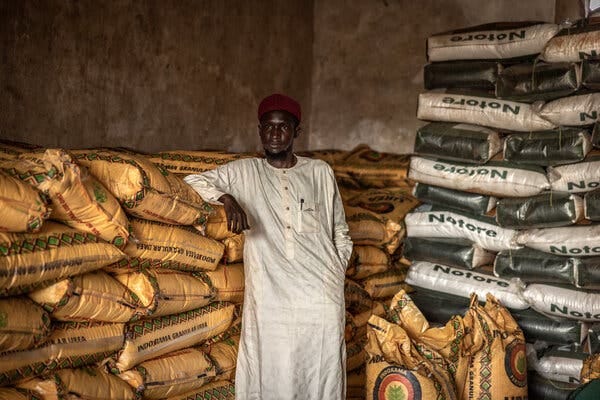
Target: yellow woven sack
{"type": "Point", "coordinates": [18, 394]}
{"type": "Point", "coordinates": [228, 281]}
{"type": "Point", "coordinates": [371, 229]}
{"type": "Point", "coordinates": [367, 261]}
{"type": "Point", "coordinates": [172, 374]}
{"type": "Point", "coordinates": [194, 162]}
{"type": "Point", "coordinates": [386, 284]}
{"type": "Point", "coordinates": [234, 249]}
{"type": "Point", "coordinates": [165, 292]}
{"type": "Point", "coordinates": [396, 369]}
{"type": "Point", "coordinates": [224, 356]}
{"type": "Point", "coordinates": [216, 225]}
{"type": "Point", "coordinates": [93, 384]}
{"type": "Point", "coordinates": [155, 337]}
{"type": "Point", "coordinates": [95, 296]}
{"type": "Point", "coordinates": [70, 345]}
{"type": "Point", "coordinates": [55, 252]}
{"type": "Point", "coordinates": [144, 189]}
{"type": "Point", "coordinates": [220, 390]}
{"type": "Point", "coordinates": [23, 324]}
{"type": "Point", "coordinates": [365, 167]}
{"type": "Point", "coordinates": [22, 207]}
{"type": "Point", "coordinates": [182, 244]}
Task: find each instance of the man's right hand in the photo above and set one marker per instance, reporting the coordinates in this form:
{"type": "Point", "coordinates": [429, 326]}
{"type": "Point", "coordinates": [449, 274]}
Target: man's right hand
{"type": "Point", "coordinates": [236, 216]}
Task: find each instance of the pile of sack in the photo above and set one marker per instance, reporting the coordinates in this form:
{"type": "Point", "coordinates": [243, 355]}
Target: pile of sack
{"type": "Point", "coordinates": [109, 290]}
{"type": "Point", "coordinates": [507, 171]}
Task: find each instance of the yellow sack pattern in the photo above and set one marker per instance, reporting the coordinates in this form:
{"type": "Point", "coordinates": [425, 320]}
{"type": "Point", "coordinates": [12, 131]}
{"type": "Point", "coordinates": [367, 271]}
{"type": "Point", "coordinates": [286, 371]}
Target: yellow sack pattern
{"type": "Point", "coordinates": [144, 189]}
{"type": "Point", "coordinates": [220, 390]}
{"type": "Point", "coordinates": [152, 338]}
{"type": "Point", "coordinates": [367, 261]}
{"type": "Point", "coordinates": [23, 324]}
{"type": "Point", "coordinates": [224, 355]}
{"type": "Point", "coordinates": [70, 345]}
{"type": "Point", "coordinates": [18, 394]}
{"type": "Point", "coordinates": [397, 370]}
{"type": "Point", "coordinates": [88, 384]}
{"type": "Point", "coordinates": [365, 167]}
{"type": "Point", "coordinates": [182, 244]}
{"type": "Point", "coordinates": [55, 252]}
{"type": "Point", "coordinates": [216, 225]}
{"type": "Point", "coordinates": [194, 162]}
{"type": "Point", "coordinates": [172, 374]}
{"type": "Point", "coordinates": [228, 281]}
{"type": "Point", "coordinates": [95, 296]}
{"type": "Point", "coordinates": [22, 207]}
{"type": "Point", "coordinates": [387, 284]}
{"type": "Point", "coordinates": [165, 292]}
{"type": "Point", "coordinates": [234, 249]}
{"type": "Point", "coordinates": [367, 228]}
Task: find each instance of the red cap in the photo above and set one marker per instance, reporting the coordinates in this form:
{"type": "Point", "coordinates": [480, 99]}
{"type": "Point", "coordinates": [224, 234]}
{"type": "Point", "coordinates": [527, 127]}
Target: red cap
{"type": "Point", "coordinates": [279, 102]}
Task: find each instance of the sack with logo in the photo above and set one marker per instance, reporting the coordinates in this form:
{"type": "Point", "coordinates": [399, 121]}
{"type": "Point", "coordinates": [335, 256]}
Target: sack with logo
{"type": "Point", "coordinates": [23, 324]}
{"type": "Point", "coordinates": [144, 189]}
{"type": "Point", "coordinates": [470, 203]}
{"type": "Point", "coordinates": [576, 110]}
{"type": "Point", "coordinates": [22, 207]}
{"type": "Point", "coordinates": [471, 75]}
{"type": "Point", "coordinates": [561, 146]}
{"type": "Point", "coordinates": [221, 390]}
{"type": "Point", "coordinates": [557, 364]}
{"type": "Point", "coordinates": [164, 292]}
{"type": "Point", "coordinates": [462, 283]}
{"type": "Point", "coordinates": [457, 142]}
{"type": "Point", "coordinates": [182, 244]}
{"type": "Point", "coordinates": [496, 178]}
{"type": "Point", "coordinates": [535, 81]}
{"type": "Point", "coordinates": [579, 241]}
{"type": "Point", "coordinates": [228, 282]}
{"type": "Point", "coordinates": [365, 167]}
{"type": "Point", "coordinates": [479, 110]}
{"type": "Point", "coordinates": [498, 40]}
{"type": "Point", "coordinates": [458, 253]}
{"type": "Point", "coordinates": [545, 210]}
{"type": "Point", "coordinates": [483, 231]}
{"type": "Point", "coordinates": [591, 205]}
{"type": "Point", "coordinates": [576, 178]}
{"type": "Point", "coordinates": [194, 162]}
{"type": "Point", "coordinates": [367, 261]}
{"type": "Point", "coordinates": [386, 284]}
{"type": "Point", "coordinates": [70, 345]}
{"type": "Point", "coordinates": [572, 44]}
{"type": "Point", "coordinates": [53, 253]}
{"type": "Point", "coordinates": [94, 296]}
{"type": "Point", "coordinates": [563, 302]}
{"type": "Point", "coordinates": [234, 249]}
{"type": "Point", "coordinates": [155, 337]}
{"type": "Point", "coordinates": [171, 374]}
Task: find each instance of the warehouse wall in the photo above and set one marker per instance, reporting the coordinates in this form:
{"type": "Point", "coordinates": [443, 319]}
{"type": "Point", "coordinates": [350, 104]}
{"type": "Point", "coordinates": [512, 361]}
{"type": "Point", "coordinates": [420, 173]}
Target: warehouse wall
{"type": "Point", "coordinates": [368, 59]}
{"type": "Point", "coordinates": [152, 75]}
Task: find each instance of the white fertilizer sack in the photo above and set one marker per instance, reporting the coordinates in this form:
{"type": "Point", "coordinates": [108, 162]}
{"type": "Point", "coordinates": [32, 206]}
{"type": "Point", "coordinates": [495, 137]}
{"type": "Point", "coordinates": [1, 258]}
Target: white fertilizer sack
{"type": "Point", "coordinates": [570, 111]}
{"type": "Point", "coordinates": [562, 302]}
{"type": "Point", "coordinates": [580, 241]}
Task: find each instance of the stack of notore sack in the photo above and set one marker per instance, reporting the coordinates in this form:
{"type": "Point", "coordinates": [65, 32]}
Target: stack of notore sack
{"type": "Point", "coordinates": [508, 173]}
{"type": "Point", "coordinates": [108, 288]}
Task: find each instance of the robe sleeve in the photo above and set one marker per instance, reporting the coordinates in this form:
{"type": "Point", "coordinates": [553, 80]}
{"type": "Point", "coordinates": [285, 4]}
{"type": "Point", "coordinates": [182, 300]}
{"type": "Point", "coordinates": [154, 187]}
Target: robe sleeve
{"type": "Point", "coordinates": [341, 238]}
{"type": "Point", "coordinates": [211, 185]}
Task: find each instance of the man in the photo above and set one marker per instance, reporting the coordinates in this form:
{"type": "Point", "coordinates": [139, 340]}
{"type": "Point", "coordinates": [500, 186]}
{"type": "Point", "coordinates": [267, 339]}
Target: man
{"type": "Point", "coordinates": [295, 256]}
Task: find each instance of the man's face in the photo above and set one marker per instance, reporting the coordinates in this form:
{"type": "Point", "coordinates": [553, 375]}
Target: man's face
{"type": "Point", "coordinates": [277, 130]}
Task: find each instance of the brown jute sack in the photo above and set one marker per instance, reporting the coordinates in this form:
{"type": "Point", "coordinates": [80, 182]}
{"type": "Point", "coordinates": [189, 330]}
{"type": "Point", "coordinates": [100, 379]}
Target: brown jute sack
{"type": "Point", "coordinates": [228, 281]}
{"type": "Point", "coordinates": [397, 369]}
{"type": "Point", "coordinates": [386, 284]}
{"type": "Point", "coordinates": [165, 292]}
{"type": "Point", "coordinates": [182, 244]}
{"type": "Point", "coordinates": [55, 252]}
{"type": "Point", "coordinates": [234, 249]}
{"type": "Point", "coordinates": [144, 189]}
{"type": "Point", "coordinates": [23, 324]}
{"type": "Point", "coordinates": [356, 381]}
{"type": "Point", "coordinates": [171, 375]}
{"type": "Point", "coordinates": [391, 203]}
{"type": "Point", "coordinates": [367, 228]}
{"type": "Point", "coordinates": [367, 261]}
{"type": "Point", "coordinates": [155, 337]}
{"type": "Point", "coordinates": [22, 207]}
{"type": "Point", "coordinates": [365, 167]}
{"type": "Point", "coordinates": [360, 320]}
{"type": "Point", "coordinates": [356, 298]}
{"type": "Point", "coordinates": [224, 355]}
{"type": "Point", "coordinates": [331, 157]}
{"type": "Point", "coordinates": [80, 383]}
{"type": "Point", "coordinates": [95, 296]}
{"type": "Point", "coordinates": [70, 345]}
{"type": "Point", "coordinates": [219, 390]}
{"type": "Point", "coordinates": [356, 354]}
{"type": "Point", "coordinates": [7, 393]}
{"type": "Point", "coordinates": [194, 162]}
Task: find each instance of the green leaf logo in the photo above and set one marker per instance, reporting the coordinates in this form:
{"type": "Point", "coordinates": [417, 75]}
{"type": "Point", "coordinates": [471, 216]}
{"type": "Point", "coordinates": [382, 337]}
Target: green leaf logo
{"type": "Point", "coordinates": [396, 393]}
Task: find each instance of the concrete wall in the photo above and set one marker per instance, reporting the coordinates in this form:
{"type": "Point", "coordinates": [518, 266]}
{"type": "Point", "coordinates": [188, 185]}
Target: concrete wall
{"type": "Point", "coordinates": [368, 63]}
{"type": "Point", "coordinates": [152, 74]}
